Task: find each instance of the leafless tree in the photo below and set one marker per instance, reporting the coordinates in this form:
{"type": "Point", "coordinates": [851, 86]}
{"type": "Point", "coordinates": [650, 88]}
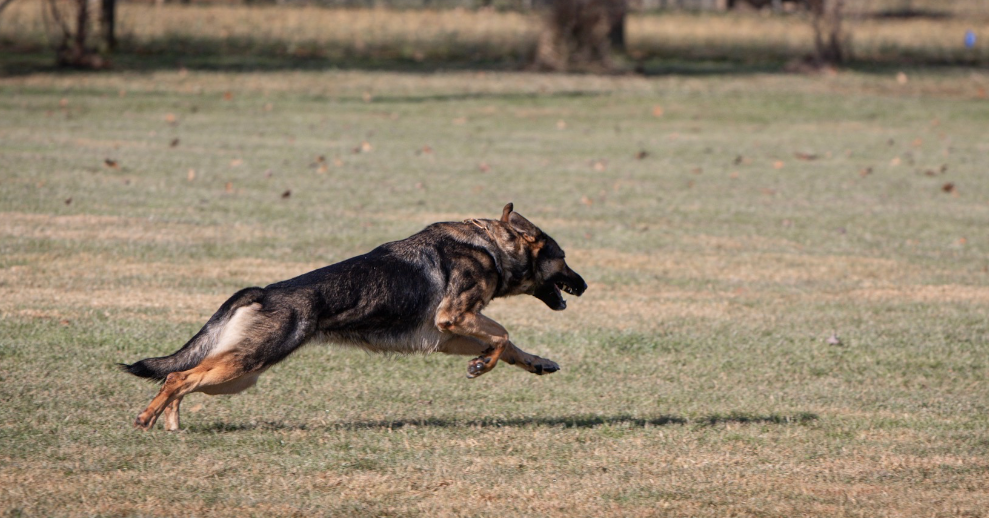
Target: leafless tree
{"type": "Point", "coordinates": [72, 31]}
{"type": "Point", "coordinates": [72, 23]}
{"type": "Point", "coordinates": [829, 35]}
{"type": "Point", "coordinates": [581, 34]}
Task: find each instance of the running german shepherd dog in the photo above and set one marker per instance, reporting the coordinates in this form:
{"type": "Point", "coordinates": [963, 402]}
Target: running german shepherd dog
{"type": "Point", "coordinates": [419, 295]}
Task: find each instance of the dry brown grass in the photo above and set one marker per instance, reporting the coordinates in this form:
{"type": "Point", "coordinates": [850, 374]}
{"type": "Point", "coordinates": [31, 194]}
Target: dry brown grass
{"type": "Point", "coordinates": [697, 377]}
{"type": "Point", "coordinates": [111, 228]}
{"type": "Point", "coordinates": [460, 34]}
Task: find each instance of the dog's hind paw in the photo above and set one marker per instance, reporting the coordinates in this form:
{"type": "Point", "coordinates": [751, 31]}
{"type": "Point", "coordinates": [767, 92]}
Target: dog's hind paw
{"type": "Point", "coordinates": [144, 423]}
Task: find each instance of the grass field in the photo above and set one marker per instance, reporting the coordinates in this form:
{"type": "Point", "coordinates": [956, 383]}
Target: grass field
{"type": "Point", "coordinates": [727, 226]}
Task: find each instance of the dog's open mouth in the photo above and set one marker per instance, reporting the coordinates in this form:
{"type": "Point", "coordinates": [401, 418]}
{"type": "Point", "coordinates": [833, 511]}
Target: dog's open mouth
{"type": "Point", "coordinates": [552, 291]}
{"type": "Point", "coordinates": [562, 286]}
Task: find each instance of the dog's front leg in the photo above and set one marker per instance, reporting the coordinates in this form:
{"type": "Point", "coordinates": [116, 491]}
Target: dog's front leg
{"type": "Point", "coordinates": [476, 325]}
{"type": "Point", "coordinates": [464, 345]}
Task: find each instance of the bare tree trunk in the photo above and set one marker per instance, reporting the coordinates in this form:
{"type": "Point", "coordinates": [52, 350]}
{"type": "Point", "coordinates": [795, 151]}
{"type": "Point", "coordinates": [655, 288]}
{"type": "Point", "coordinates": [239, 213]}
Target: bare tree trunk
{"type": "Point", "coordinates": [829, 37]}
{"type": "Point", "coordinates": [82, 23]}
{"type": "Point", "coordinates": [108, 19]}
{"type": "Point", "coordinates": [580, 33]}
{"type": "Point", "coordinates": [616, 36]}
{"type": "Point", "coordinates": [73, 49]}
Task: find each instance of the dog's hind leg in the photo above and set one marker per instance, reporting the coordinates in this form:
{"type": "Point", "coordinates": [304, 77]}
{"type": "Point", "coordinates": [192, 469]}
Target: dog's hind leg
{"type": "Point", "coordinates": [212, 371]}
{"type": "Point", "coordinates": [464, 345]}
{"type": "Point", "coordinates": [172, 415]}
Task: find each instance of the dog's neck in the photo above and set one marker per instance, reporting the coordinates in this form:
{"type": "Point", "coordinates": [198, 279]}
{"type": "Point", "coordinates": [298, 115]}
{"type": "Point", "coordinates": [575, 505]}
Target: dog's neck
{"type": "Point", "coordinates": [511, 280]}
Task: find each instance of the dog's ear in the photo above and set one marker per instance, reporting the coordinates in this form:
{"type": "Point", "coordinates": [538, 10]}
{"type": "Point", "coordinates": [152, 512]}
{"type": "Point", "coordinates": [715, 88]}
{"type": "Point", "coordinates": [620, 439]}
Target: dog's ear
{"type": "Point", "coordinates": [524, 227]}
{"type": "Point", "coordinates": [506, 212]}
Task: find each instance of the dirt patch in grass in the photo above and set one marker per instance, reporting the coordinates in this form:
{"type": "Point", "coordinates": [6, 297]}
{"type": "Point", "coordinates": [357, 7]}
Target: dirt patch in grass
{"type": "Point", "coordinates": [69, 287]}
{"type": "Point", "coordinates": [88, 227]}
{"type": "Point", "coordinates": [754, 267]}
{"type": "Point", "coordinates": [940, 293]}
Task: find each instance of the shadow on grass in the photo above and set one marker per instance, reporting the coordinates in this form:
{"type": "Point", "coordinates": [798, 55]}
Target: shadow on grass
{"type": "Point", "coordinates": [580, 421]}
{"type": "Point", "coordinates": [214, 55]}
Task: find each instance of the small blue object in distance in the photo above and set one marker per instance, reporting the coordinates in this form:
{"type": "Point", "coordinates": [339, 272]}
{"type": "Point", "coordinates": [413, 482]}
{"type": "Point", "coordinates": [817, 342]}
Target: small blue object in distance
{"type": "Point", "coordinates": [970, 39]}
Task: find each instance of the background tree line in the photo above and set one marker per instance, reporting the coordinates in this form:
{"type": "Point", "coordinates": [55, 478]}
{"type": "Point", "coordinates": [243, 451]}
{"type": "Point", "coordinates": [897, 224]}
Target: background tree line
{"type": "Point", "coordinates": [583, 35]}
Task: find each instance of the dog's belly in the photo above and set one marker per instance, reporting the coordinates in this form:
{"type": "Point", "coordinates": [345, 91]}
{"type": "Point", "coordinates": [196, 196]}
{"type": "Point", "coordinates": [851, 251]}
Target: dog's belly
{"type": "Point", "coordinates": [423, 340]}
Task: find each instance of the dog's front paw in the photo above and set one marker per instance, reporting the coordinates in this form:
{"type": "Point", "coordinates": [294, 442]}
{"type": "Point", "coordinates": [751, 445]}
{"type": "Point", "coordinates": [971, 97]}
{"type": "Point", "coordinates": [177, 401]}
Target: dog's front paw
{"type": "Point", "coordinates": [478, 366]}
{"type": "Point", "coordinates": [542, 366]}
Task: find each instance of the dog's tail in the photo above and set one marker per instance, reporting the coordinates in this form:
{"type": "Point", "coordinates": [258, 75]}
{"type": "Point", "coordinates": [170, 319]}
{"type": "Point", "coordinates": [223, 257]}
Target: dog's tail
{"type": "Point", "coordinates": [199, 346]}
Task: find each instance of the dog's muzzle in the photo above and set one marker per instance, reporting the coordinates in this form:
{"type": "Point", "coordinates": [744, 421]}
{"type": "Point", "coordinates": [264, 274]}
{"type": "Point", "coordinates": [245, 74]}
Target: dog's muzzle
{"type": "Point", "coordinates": [551, 292]}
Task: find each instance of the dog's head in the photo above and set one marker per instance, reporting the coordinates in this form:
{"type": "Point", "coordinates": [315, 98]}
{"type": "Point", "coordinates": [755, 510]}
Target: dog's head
{"type": "Point", "coordinates": [549, 275]}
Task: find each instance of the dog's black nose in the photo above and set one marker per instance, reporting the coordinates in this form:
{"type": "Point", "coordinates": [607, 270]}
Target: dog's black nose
{"type": "Point", "coordinates": [578, 285]}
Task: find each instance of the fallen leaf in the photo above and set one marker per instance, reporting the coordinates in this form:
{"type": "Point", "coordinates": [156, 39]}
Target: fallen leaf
{"type": "Point", "coordinates": [657, 111]}
{"type": "Point", "coordinates": [367, 96]}
{"type": "Point", "coordinates": [586, 201]}
{"type": "Point", "coordinates": [268, 107]}
{"type": "Point", "coordinates": [484, 167]}
{"type": "Point", "coordinates": [600, 165]}
{"type": "Point", "coordinates": [697, 170]}
{"type": "Point", "coordinates": [778, 164]}
{"type": "Point", "coordinates": [170, 118]}
{"type": "Point", "coordinates": [229, 187]}
{"type": "Point", "coordinates": [237, 162]}
{"type": "Point", "coordinates": [174, 143]}
{"type": "Point", "coordinates": [63, 102]}
{"type": "Point", "coordinates": [365, 147]}
{"type": "Point", "coordinates": [427, 150]}
{"type": "Point", "coordinates": [865, 172]}
{"type": "Point", "coordinates": [286, 194]}
{"type": "Point", "coordinates": [805, 156]}
{"type": "Point", "coordinates": [641, 154]}
{"type": "Point", "coordinates": [895, 161]}
{"type": "Point", "coordinates": [68, 201]}
{"type": "Point", "coordinates": [901, 78]}
{"type": "Point", "coordinates": [111, 163]}
{"type": "Point", "coordinates": [961, 240]}
{"type": "Point", "coordinates": [917, 142]}
{"type": "Point", "coordinates": [948, 187]}
{"type": "Point", "coordinates": [733, 175]}
{"type": "Point", "coordinates": [191, 175]}
{"type": "Point", "coordinates": [227, 96]}
{"type": "Point", "coordinates": [460, 120]}
{"type": "Point", "coordinates": [738, 160]}
{"type": "Point", "coordinates": [561, 124]}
